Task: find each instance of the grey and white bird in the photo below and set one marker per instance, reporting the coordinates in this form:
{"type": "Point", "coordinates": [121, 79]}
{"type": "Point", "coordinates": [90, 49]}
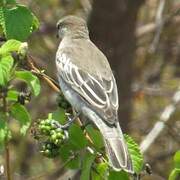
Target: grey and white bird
{"type": "Point", "coordinates": [87, 82]}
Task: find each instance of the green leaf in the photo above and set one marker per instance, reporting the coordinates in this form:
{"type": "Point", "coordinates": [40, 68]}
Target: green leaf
{"type": "Point", "coordinates": [35, 23]}
{"type": "Point", "coordinates": [101, 171]}
{"type": "Point", "coordinates": [17, 22]}
{"type": "Point", "coordinates": [12, 95]}
{"type": "Point", "coordinates": [120, 175]}
{"type": "Point", "coordinates": [86, 167]}
{"type": "Point", "coordinates": [10, 46]}
{"type": "Point", "coordinates": [136, 156]}
{"type": "Point", "coordinates": [20, 113]}
{"type": "Point", "coordinates": [75, 163]}
{"type": "Point", "coordinates": [2, 81]}
{"type": "Point", "coordinates": [6, 63]}
{"type": "Point", "coordinates": [10, 2]}
{"type": "Point", "coordinates": [59, 115]}
{"type": "Point", "coordinates": [2, 19]}
{"type": "Point", "coordinates": [177, 159]}
{"type": "Point", "coordinates": [95, 136]}
{"type": "Point", "coordinates": [4, 130]}
{"type": "Point", "coordinates": [176, 171]}
{"type": "Point", "coordinates": [76, 137]}
{"type": "Point", "coordinates": [174, 174]}
{"type": "Point", "coordinates": [30, 79]}
{"type": "Point", "coordinates": [65, 151]}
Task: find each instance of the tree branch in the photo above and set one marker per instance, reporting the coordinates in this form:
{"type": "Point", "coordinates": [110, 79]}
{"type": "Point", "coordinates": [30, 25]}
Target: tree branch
{"type": "Point", "coordinates": [159, 125]}
{"type": "Point", "coordinates": [151, 27]}
{"type": "Point", "coordinates": [159, 26]}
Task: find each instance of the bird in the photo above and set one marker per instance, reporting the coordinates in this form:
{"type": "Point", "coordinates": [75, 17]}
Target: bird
{"type": "Point", "coordinates": [88, 84]}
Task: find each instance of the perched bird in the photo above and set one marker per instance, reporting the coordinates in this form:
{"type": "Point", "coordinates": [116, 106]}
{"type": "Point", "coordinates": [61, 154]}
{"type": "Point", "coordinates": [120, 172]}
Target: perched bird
{"type": "Point", "coordinates": [87, 81]}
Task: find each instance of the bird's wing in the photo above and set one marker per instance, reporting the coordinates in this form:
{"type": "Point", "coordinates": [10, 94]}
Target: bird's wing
{"type": "Point", "coordinates": [100, 93]}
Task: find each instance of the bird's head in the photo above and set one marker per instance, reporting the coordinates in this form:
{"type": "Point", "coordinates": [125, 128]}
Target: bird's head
{"type": "Point", "coordinates": [72, 26]}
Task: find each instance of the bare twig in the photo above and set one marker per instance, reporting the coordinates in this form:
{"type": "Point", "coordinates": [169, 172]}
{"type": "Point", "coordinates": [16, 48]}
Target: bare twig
{"type": "Point", "coordinates": [151, 27]}
{"type": "Point", "coordinates": [159, 126]}
{"type": "Point", "coordinates": [56, 88]}
{"type": "Point", "coordinates": [35, 70]}
{"type": "Point", "coordinates": [159, 26]}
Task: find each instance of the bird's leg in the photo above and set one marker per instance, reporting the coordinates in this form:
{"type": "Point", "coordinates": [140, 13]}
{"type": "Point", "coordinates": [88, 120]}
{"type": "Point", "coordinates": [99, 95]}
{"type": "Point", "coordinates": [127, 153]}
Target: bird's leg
{"type": "Point", "coordinates": [70, 121]}
{"type": "Point", "coordinates": [85, 125]}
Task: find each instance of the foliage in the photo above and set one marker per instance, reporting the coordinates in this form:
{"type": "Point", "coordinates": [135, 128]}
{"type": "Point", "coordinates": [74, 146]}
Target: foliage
{"type": "Point", "coordinates": [17, 22]}
{"type": "Point", "coordinates": [135, 153]}
{"type": "Point", "coordinates": [18, 16]}
{"type": "Point", "coordinates": [175, 173]}
{"type": "Point", "coordinates": [72, 145]}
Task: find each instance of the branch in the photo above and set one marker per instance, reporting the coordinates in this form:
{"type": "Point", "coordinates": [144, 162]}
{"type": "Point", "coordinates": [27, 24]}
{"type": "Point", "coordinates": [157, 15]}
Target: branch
{"type": "Point", "coordinates": [159, 125]}
{"type": "Point", "coordinates": [55, 87]}
{"type": "Point", "coordinates": [49, 80]}
{"type": "Point", "coordinates": [151, 27]}
{"type": "Point", "coordinates": [159, 26]}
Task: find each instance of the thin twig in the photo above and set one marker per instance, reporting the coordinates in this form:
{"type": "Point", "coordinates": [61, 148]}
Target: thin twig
{"type": "Point", "coordinates": [159, 25]}
{"type": "Point", "coordinates": [151, 27]}
{"type": "Point", "coordinates": [159, 126]}
{"type": "Point", "coordinates": [34, 69]}
{"type": "Point", "coordinates": [56, 88]}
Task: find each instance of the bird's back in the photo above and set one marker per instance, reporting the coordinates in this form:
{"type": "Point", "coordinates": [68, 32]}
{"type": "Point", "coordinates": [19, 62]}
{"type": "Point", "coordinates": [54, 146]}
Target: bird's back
{"type": "Point", "coordinates": [86, 55]}
{"type": "Point", "coordinates": [95, 70]}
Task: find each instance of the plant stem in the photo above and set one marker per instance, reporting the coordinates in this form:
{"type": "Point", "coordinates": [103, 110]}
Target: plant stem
{"type": "Point", "coordinates": [7, 154]}
{"type": "Point", "coordinates": [7, 158]}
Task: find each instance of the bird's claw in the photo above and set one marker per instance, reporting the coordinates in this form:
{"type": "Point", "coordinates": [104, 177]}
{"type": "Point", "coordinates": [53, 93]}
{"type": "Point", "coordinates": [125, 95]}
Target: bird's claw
{"type": "Point", "coordinates": [68, 124]}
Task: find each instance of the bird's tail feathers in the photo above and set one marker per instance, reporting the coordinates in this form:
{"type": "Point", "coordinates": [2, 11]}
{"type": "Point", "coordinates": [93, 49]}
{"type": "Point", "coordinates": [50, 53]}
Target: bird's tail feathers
{"type": "Point", "coordinates": [116, 148]}
{"type": "Point", "coordinates": [117, 151]}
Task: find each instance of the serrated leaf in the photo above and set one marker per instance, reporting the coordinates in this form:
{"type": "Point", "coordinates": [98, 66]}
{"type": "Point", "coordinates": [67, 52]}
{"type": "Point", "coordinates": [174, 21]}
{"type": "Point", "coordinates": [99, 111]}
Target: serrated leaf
{"type": "Point", "coordinates": [20, 113]}
{"type": "Point", "coordinates": [86, 166]}
{"type": "Point", "coordinates": [17, 22]}
{"type": "Point", "coordinates": [76, 137]}
{"type": "Point", "coordinates": [10, 46]}
{"type": "Point", "coordinates": [6, 63]}
{"type": "Point", "coordinates": [30, 79]}
{"type": "Point", "coordinates": [136, 156]}
{"type": "Point", "coordinates": [95, 136]}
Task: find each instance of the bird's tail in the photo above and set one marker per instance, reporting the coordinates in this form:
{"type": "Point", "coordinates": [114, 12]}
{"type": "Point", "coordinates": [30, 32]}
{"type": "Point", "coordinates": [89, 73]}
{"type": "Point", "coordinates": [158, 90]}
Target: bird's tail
{"type": "Point", "coordinates": [116, 148]}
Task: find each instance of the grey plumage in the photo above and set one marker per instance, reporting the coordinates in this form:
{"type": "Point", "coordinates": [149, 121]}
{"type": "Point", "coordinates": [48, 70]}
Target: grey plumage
{"type": "Point", "coordinates": [88, 84]}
